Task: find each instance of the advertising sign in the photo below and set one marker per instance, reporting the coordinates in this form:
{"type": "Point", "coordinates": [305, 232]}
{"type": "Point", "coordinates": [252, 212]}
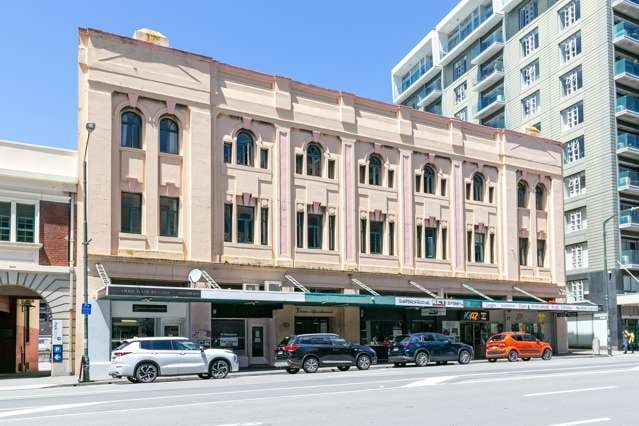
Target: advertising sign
{"type": "Point", "coordinates": [428, 302]}
{"type": "Point", "coordinates": [433, 312]}
{"type": "Point", "coordinates": [56, 332]}
{"type": "Point", "coordinates": [476, 316]}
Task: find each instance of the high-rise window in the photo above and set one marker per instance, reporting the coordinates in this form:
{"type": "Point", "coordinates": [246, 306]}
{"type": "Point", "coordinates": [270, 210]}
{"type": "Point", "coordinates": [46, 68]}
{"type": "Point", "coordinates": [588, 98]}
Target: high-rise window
{"type": "Point", "coordinates": [362, 235]}
{"type": "Point", "coordinates": [228, 223]}
{"type": "Point", "coordinates": [540, 197]}
{"type": "Point", "coordinates": [169, 215]}
{"type": "Point", "coordinates": [530, 74]}
{"type": "Point", "coordinates": [245, 224]}
{"type": "Point", "coordinates": [480, 243]}
{"type": "Point", "coordinates": [530, 105]}
{"type": "Point", "coordinates": [575, 184]}
{"type": "Point", "coordinates": [331, 169]}
{"type": "Point", "coordinates": [429, 180]}
{"type": "Point", "coordinates": [529, 43]}
{"type": "Point", "coordinates": [492, 248]}
{"type": "Point", "coordinates": [522, 195]}
{"type": "Point", "coordinates": [444, 242]}
{"type": "Point", "coordinates": [418, 240]}
{"type": "Point", "coordinates": [169, 136]}
{"type": "Point", "coordinates": [390, 178]}
{"type": "Point", "coordinates": [570, 47]}
{"type": "Point", "coordinates": [131, 213]}
{"type": "Point", "coordinates": [300, 230]}
{"type": "Point", "coordinates": [569, 14]}
{"type": "Point", "coordinates": [574, 150]}
{"type": "Point", "coordinates": [391, 238]}
{"type": "Point", "coordinates": [25, 223]}
{"type": "Point", "coordinates": [442, 187]}
{"type": "Point", "coordinates": [576, 220]}
{"type": "Point", "coordinates": [228, 152]}
{"type": "Point", "coordinates": [541, 253]}
{"type": "Point", "coordinates": [313, 160]}
{"type": "Point", "coordinates": [299, 163]}
{"type": "Point", "coordinates": [527, 13]}
{"type": "Point", "coordinates": [523, 251]}
{"type": "Point", "coordinates": [462, 114]}
{"type": "Point", "coordinates": [131, 130]}
{"type": "Point", "coordinates": [576, 256]}
{"type": "Point", "coordinates": [263, 158]}
{"type": "Point", "coordinates": [376, 237]}
{"type": "Point", "coordinates": [572, 116]}
{"type": "Point", "coordinates": [5, 221]}
{"type": "Point", "coordinates": [374, 170]}
{"type": "Point", "coordinates": [331, 232]}
{"type": "Point", "coordinates": [431, 243]}
{"type": "Point", "coordinates": [469, 246]}
{"type": "Point", "coordinates": [575, 291]}
{"type": "Point", "coordinates": [571, 81]}
{"type": "Point", "coordinates": [314, 230]}
{"type": "Point", "coordinates": [264, 226]}
{"type": "Point", "coordinates": [459, 68]}
{"type": "Point", "coordinates": [460, 92]}
{"type": "Point", "coordinates": [244, 148]}
{"type": "Point", "coordinates": [418, 183]}
{"type": "Point", "coordinates": [478, 187]}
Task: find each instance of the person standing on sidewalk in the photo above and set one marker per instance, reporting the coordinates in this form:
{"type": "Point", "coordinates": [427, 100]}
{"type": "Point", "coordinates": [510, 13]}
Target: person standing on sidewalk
{"type": "Point", "coordinates": [626, 341]}
{"type": "Point", "coordinates": [632, 341]}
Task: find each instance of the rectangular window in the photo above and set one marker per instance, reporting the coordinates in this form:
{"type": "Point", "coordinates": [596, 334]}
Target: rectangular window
{"type": "Point", "coordinates": [245, 224]}
{"type": "Point", "coordinates": [530, 105]}
{"type": "Point", "coordinates": [460, 93]}
{"type": "Point", "coordinates": [576, 220]}
{"type": "Point", "coordinates": [570, 48]}
{"type": "Point", "coordinates": [131, 213]}
{"type": "Point", "coordinates": [569, 14]}
{"type": "Point", "coordinates": [442, 187]}
{"type": "Point", "coordinates": [529, 43]}
{"type": "Point", "coordinates": [462, 114]}
{"type": "Point", "coordinates": [468, 187]}
{"type": "Point", "coordinates": [574, 150]}
{"type": "Point", "coordinates": [331, 232]}
{"type": "Point", "coordinates": [331, 169]}
{"type": "Point", "coordinates": [391, 178]}
{"type": "Point", "coordinates": [299, 164]}
{"type": "Point", "coordinates": [418, 241]}
{"type": "Point", "coordinates": [376, 237]}
{"type": "Point", "coordinates": [576, 292]}
{"type": "Point", "coordinates": [527, 13]}
{"type": "Point", "coordinates": [314, 230]}
{"type": "Point", "coordinates": [479, 247]}
{"type": "Point", "coordinates": [530, 74]}
{"type": "Point", "coordinates": [169, 215]}
{"type": "Point", "coordinates": [523, 251]}
{"type": "Point", "coordinates": [418, 183]}
{"type": "Point", "coordinates": [492, 248]}
{"type": "Point", "coordinates": [571, 81]}
{"type": "Point", "coordinates": [575, 184]}
{"type": "Point", "coordinates": [264, 226]}
{"type": "Point", "coordinates": [541, 253]}
{"type": "Point", "coordinates": [228, 223]}
{"type": "Point", "coordinates": [362, 235]}
{"type": "Point", "coordinates": [362, 174]}
{"type": "Point", "coordinates": [25, 223]}
{"type": "Point", "coordinates": [391, 238]}
{"type": "Point", "coordinates": [5, 221]}
{"type": "Point", "coordinates": [576, 257]}
{"type": "Point", "coordinates": [459, 68]}
{"type": "Point", "coordinates": [264, 158]}
{"type": "Point", "coordinates": [300, 229]}
{"type": "Point", "coordinates": [469, 246]}
{"type": "Point", "coordinates": [228, 152]}
{"type": "Point", "coordinates": [444, 242]}
{"type": "Point", "coordinates": [491, 194]}
{"type": "Point", "coordinates": [572, 116]}
{"type": "Point", "coordinates": [431, 243]}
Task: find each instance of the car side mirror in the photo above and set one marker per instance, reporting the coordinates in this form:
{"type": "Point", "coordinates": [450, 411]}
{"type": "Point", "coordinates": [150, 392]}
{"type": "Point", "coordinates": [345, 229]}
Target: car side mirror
{"type": "Point", "coordinates": [201, 348]}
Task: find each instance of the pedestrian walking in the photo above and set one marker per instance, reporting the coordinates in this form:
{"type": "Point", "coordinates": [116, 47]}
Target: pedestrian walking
{"type": "Point", "coordinates": [632, 342]}
{"type": "Point", "coordinates": [626, 341]}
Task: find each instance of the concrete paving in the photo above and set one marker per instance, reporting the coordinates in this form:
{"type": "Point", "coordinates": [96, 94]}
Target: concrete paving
{"type": "Point", "coordinates": [563, 391]}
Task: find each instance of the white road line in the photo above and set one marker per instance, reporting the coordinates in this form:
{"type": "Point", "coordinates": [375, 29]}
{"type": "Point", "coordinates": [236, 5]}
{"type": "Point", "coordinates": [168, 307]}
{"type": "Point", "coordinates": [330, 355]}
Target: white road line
{"type": "Point", "coordinates": [25, 387]}
{"type": "Point", "coordinates": [44, 408]}
{"type": "Point", "coordinates": [584, 422]}
{"type": "Point", "coordinates": [429, 381]}
{"type": "Point", "coordinates": [571, 391]}
{"type": "Point", "coordinates": [543, 376]}
{"type": "Point", "coordinates": [243, 424]}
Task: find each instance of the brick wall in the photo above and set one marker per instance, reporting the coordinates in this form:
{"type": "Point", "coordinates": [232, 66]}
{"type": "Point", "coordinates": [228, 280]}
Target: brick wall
{"type": "Point", "coordinates": [54, 233]}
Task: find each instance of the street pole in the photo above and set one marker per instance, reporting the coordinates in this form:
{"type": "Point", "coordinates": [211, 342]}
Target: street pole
{"type": "Point", "coordinates": [85, 245]}
{"type": "Point", "coordinates": [607, 284]}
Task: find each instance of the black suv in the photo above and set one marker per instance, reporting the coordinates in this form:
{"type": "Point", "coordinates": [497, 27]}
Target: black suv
{"type": "Point", "coordinates": [312, 351]}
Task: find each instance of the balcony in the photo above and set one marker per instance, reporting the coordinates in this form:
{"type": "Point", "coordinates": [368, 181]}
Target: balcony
{"type": "Point", "coordinates": [489, 47]}
{"type": "Point", "coordinates": [627, 109]}
{"type": "Point", "coordinates": [627, 7]}
{"type": "Point", "coordinates": [490, 103]}
{"type": "Point", "coordinates": [422, 78]}
{"type": "Point", "coordinates": [628, 145]}
{"type": "Point", "coordinates": [428, 94]}
{"type": "Point", "coordinates": [630, 259]}
{"type": "Point", "coordinates": [497, 122]}
{"type": "Point", "coordinates": [626, 36]}
{"type": "Point", "coordinates": [627, 73]}
{"type": "Point", "coordinates": [489, 75]}
{"type": "Point", "coordinates": [629, 220]}
{"type": "Point", "coordinates": [628, 182]}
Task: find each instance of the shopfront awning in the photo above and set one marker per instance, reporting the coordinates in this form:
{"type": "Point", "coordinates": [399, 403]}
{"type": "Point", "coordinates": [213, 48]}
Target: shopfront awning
{"type": "Point", "coordinates": [183, 294]}
{"type": "Point", "coordinates": [628, 299]}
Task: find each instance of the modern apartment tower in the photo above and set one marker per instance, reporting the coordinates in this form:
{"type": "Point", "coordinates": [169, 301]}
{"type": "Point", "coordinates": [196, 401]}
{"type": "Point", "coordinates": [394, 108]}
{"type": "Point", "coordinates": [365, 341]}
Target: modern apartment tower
{"type": "Point", "coordinates": [568, 70]}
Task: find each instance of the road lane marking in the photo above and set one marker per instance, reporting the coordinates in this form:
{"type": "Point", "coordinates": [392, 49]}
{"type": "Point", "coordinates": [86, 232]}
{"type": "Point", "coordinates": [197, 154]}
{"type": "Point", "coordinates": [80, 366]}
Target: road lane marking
{"type": "Point", "coordinates": [571, 391]}
{"type": "Point", "coordinates": [584, 422]}
{"type": "Point", "coordinates": [429, 381]}
{"type": "Point", "coordinates": [45, 408]}
{"type": "Point", "coordinates": [542, 376]}
{"type": "Point", "coordinates": [243, 424]}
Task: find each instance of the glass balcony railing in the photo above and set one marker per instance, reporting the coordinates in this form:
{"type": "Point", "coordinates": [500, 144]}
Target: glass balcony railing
{"type": "Point", "coordinates": [427, 90]}
{"type": "Point", "coordinates": [629, 217]}
{"type": "Point", "coordinates": [414, 74]}
{"type": "Point", "coordinates": [627, 29]}
{"type": "Point", "coordinates": [630, 257]}
{"type": "Point", "coordinates": [625, 66]}
{"type": "Point", "coordinates": [489, 69]}
{"type": "Point", "coordinates": [495, 37]}
{"type": "Point", "coordinates": [498, 122]}
{"type": "Point", "coordinates": [628, 177]}
{"type": "Point", "coordinates": [471, 23]}
{"type": "Point", "coordinates": [627, 140]}
{"type": "Point", "coordinates": [627, 103]}
{"type": "Point", "coordinates": [495, 95]}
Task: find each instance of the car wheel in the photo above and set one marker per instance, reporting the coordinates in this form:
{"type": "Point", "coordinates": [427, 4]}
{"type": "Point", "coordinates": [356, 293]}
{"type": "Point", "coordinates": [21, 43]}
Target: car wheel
{"type": "Point", "coordinates": [146, 372]}
{"type": "Point", "coordinates": [132, 379]}
{"type": "Point", "coordinates": [512, 356]}
{"type": "Point", "coordinates": [343, 367]}
{"type": "Point", "coordinates": [421, 359]}
{"type": "Point", "coordinates": [204, 376]}
{"type": "Point", "coordinates": [546, 355]}
{"type": "Point", "coordinates": [526, 359]}
{"type": "Point", "coordinates": [291, 370]}
{"type": "Point", "coordinates": [219, 369]}
{"type": "Point", "coordinates": [311, 365]}
{"type": "Point", "coordinates": [363, 362]}
{"type": "Point", "coordinates": [464, 357]}
{"type": "Point", "coordinates": [492, 359]}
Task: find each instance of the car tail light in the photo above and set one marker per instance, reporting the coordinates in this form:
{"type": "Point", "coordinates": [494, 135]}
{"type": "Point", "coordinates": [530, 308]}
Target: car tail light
{"type": "Point", "coordinates": [119, 354]}
{"type": "Point", "coordinates": [290, 348]}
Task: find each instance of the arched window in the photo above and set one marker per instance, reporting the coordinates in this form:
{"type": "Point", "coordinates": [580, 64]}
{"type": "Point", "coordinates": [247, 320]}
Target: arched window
{"type": "Point", "coordinates": [313, 160]}
{"type": "Point", "coordinates": [522, 194]}
{"type": "Point", "coordinates": [429, 180]}
{"type": "Point", "coordinates": [244, 144]}
{"type": "Point", "coordinates": [374, 170]}
{"type": "Point", "coordinates": [169, 136]}
{"type": "Point", "coordinates": [478, 187]}
{"type": "Point", "coordinates": [539, 197]}
{"type": "Point", "coordinates": [131, 125]}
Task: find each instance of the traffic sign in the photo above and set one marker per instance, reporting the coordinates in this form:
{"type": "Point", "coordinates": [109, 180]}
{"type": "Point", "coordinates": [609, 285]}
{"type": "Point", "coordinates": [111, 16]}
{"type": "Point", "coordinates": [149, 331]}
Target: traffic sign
{"type": "Point", "coordinates": [86, 309]}
{"type": "Point", "coordinates": [57, 353]}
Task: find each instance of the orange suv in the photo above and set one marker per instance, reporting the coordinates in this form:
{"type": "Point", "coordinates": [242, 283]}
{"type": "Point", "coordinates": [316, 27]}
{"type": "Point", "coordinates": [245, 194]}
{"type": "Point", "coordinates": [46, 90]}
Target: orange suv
{"type": "Point", "coordinates": [511, 345]}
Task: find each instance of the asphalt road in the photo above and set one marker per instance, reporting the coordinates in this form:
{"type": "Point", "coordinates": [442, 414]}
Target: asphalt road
{"type": "Point", "coordinates": [563, 391]}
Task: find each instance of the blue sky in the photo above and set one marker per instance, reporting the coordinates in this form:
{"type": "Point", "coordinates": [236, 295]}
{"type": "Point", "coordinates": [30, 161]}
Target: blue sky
{"type": "Point", "coordinates": [344, 45]}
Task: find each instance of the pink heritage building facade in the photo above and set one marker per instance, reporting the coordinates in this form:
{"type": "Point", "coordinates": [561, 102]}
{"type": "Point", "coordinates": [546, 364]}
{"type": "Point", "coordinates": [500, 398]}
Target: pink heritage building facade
{"type": "Point", "coordinates": [249, 176]}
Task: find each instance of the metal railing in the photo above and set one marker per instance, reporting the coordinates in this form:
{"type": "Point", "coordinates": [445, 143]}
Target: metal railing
{"type": "Point", "coordinates": [495, 95]}
{"type": "Point", "coordinates": [627, 102]}
{"type": "Point", "coordinates": [414, 74]}
{"type": "Point", "coordinates": [475, 22]}
{"type": "Point", "coordinates": [626, 66]}
{"type": "Point", "coordinates": [627, 140]}
{"type": "Point", "coordinates": [628, 178]}
{"type": "Point", "coordinates": [629, 257]}
{"type": "Point", "coordinates": [489, 69]}
{"type": "Point", "coordinates": [629, 217]}
{"type": "Point", "coordinates": [627, 29]}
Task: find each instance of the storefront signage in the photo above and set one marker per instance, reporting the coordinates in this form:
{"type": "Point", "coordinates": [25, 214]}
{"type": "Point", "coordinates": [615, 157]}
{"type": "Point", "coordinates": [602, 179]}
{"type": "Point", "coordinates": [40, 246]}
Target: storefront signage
{"type": "Point", "coordinates": [149, 308]}
{"type": "Point", "coordinates": [56, 332]}
{"type": "Point", "coordinates": [315, 311]}
{"type": "Point", "coordinates": [433, 312]}
{"type": "Point", "coordinates": [141, 291]}
{"type": "Point", "coordinates": [476, 316]}
{"type": "Point", "coordinates": [428, 302]}
{"type": "Point", "coordinates": [539, 307]}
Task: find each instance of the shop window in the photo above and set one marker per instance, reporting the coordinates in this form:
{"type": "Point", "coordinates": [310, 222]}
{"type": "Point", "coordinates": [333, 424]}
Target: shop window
{"type": "Point", "coordinates": [418, 241]}
{"type": "Point", "coordinates": [131, 130]}
{"type": "Point", "coordinates": [229, 334]}
{"type": "Point", "coordinates": [264, 226]}
{"type": "Point", "coordinates": [169, 216]}
{"type": "Point", "coordinates": [245, 224]}
{"type": "Point", "coordinates": [299, 163]}
{"type": "Point", "coordinates": [541, 253]}
{"type": "Point", "coordinates": [376, 237]}
{"type": "Point", "coordinates": [391, 239]}
{"type": "Point", "coordinates": [263, 158]}
{"type": "Point", "coordinates": [131, 213]}
{"type": "Point", "coordinates": [479, 247]}
{"type": "Point", "coordinates": [523, 251]}
{"type": "Point", "coordinates": [228, 152]}
{"type": "Point", "coordinates": [25, 223]}
{"type": "Point", "coordinates": [127, 328]}
{"type": "Point", "coordinates": [169, 136]}
{"type": "Point", "coordinates": [228, 223]}
{"type": "Point", "coordinates": [431, 243]}
{"type": "Point", "coordinates": [300, 229]}
{"type": "Point", "coordinates": [362, 235]}
{"type": "Point", "coordinates": [5, 221]}
{"type": "Point", "coordinates": [314, 160]}
{"type": "Point", "coordinates": [375, 170]}
{"type": "Point", "coordinates": [331, 169]}
{"type": "Point", "coordinates": [444, 242]}
{"type": "Point", "coordinates": [244, 146]}
{"type": "Point", "coordinates": [314, 231]}
{"type": "Point", "coordinates": [331, 232]}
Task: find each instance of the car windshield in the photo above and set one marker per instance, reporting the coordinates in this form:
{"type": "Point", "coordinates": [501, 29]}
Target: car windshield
{"type": "Point", "coordinates": [497, 338]}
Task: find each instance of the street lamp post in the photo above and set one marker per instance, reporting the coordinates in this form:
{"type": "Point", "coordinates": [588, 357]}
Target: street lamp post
{"type": "Point", "coordinates": [607, 284]}
{"type": "Point", "coordinates": [90, 127]}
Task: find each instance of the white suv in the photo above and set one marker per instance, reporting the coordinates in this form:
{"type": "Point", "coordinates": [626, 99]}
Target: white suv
{"type": "Point", "coordinates": [143, 359]}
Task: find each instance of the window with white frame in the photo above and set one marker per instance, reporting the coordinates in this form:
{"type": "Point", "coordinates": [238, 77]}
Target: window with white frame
{"type": "Point", "coordinates": [529, 43]}
{"type": "Point", "coordinates": [527, 13]}
{"type": "Point", "coordinates": [459, 68]}
{"type": "Point", "coordinates": [574, 150]}
{"type": "Point", "coordinates": [576, 220]}
{"type": "Point", "coordinates": [460, 92]}
{"type": "Point", "coordinates": [18, 222]}
{"type": "Point", "coordinates": [576, 256]}
{"type": "Point", "coordinates": [571, 81]}
{"type": "Point", "coordinates": [462, 114]}
{"type": "Point", "coordinates": [569, 14]}
{"type": "Point", "coordinates": [531, 105]}
{"type": "Point", "coordinates": [575, 184]}
{"type": "Point", "coordinates": [575, 291]}
{"type": "Point", "coordinates": [529, 74]}
{"type": "Point", "coordinates": [572, 116]}
{"type": "Point", "coordinates": [570, 48]}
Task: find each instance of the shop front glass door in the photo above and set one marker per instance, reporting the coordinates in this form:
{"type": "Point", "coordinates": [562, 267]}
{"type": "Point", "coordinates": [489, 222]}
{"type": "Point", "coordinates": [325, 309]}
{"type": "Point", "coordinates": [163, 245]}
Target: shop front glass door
{"type": "Point", "coordinates": [476, 335]}
{"type": "Point", "coordinates": [257, 342]}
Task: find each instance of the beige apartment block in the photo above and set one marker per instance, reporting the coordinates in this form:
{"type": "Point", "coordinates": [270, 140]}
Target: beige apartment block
{"type": "Point", "coordinates": [250, 177]}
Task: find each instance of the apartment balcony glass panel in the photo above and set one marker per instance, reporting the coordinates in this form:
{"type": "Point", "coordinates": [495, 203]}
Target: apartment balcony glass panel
{"type": "Point", "coordinates": [498, 122]}
{"type": "Point", "coordinates": [629, 219]}
{"type": "Point", "coordinates": [626, 35]}
{"type": "Point", "coordinates": [628, 145]}
{"type": "Point", "coordinates": [627, 72]}
{"type": "Point", "coordinates": [490, 102]}
{"type": "Point", "coordinates": [489, 74]}
{"type": "Point", "coordinates": [488, 46]}
{"type": "Point", "coordinates": [630, 259]}
{"type": "Point", "coordinates": [628, 182]}
{"type": "Point", "coordinates": [628, 109]}
{"type": "Point", "coordinates": [415, 73]}
{"type": "Point", "coordinates": [469, 25]}
{"type": "Point", "coordinates": [428, 94]}
{"type": "Point", "coordinates": [627, 7]}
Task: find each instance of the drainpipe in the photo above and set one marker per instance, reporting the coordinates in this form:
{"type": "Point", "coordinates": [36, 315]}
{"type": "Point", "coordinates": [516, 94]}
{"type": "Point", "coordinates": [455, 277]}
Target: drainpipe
{"type": "Point", "coordinates": [72, 289]}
